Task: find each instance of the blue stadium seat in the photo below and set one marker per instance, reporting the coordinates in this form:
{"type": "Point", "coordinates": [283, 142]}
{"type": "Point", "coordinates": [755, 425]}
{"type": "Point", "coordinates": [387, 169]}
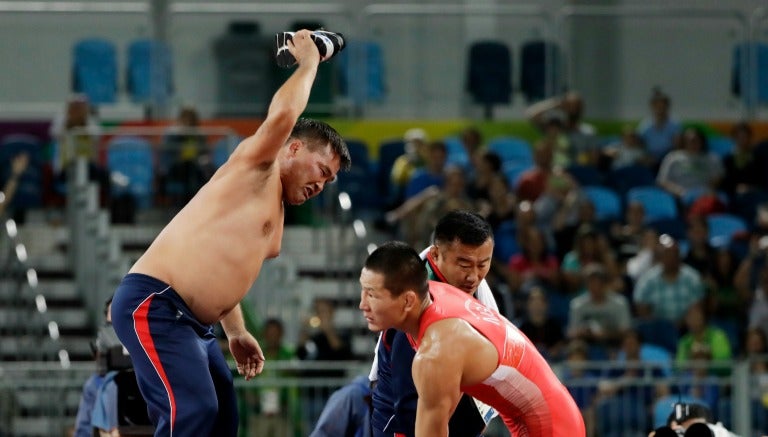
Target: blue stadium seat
{"type": "Point", "coordinates": [607, 202]}
{"type": "Point", "coordinates": [585, 174]}
{"type": "Point", "coordinates": [457, 154]}
{"type": "Point", "coordinates": [94, 70]}
{"type": "Point", "coordinates": [625, 178]}
{"type": "Point", "coordinates": [540, 69]}
{"type": "Point", "coordinates": [658, 203]}
{"type": "Point", "coordinates": [149, 71]}
{"type": "Point", "coordinates": [357, 184]}
{"type": "Point", "coordinates": [29, 189]}
{"type": "Point", "coordinates": [222, 148]}
{"type": "Point", "coordinates": [489, 74]}
{"type": "Point", "coordinates": [722, 227]}
{"type": "Point", "coordinates": [361, 72]}
{"type": "Point", "coordinates": [358, 152]}
{"type": "Point", "coordinates": [511, 149]}
{"type": "Point", "coordinates": [512, 172]}
{"type": "Point", "coordinates": [130, 161]}
{"type": "Point", "coordinates": [720, 146]}
{"type": "Point", "coordinates": [674, 227]}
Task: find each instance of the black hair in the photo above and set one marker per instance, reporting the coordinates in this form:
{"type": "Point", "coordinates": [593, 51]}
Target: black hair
{"type": "Point", "coordinates": [468, 227]}
{"type": "Point", "coordinates": [700, 135]}
{"type": "Point", "coordinates": [401, 267]}
{"type": "Point", "coordinates": [317, 134]}
{"type": "Point", "coordinates": [274, 321]}
{"type": "Point", "coordinates": [493, 160]}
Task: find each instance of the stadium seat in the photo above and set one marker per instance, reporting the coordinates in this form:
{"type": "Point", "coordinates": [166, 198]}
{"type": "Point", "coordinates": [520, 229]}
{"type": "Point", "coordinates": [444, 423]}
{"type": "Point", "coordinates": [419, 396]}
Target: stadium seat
{"type": "Point", "coordinates": [606, 202]}
{"type": "Point", "coordinates": [512, 172]}
{"type": "Point", "coordinates": [625, 178]}
{"type": "Point", "coordinates": [358, 152]}
{"type": "Point", "coordinates": [489, 74]}
{"type": "Point", "coordinates": [357, 183]}
{"type": "Point", "coordinates": [130, 161]}
{"type": "Point", "coordinates": [720, 146]}
{"type": "Point", "coordinates": [457, 154]}
{"type": "Point", "coordinates": [722, 228]}
{"type": "Point", "coordinates": [658, 203]}
{"type": "Point", "coordinates": [361, 72]}
{"type": "Point", "coordinates": [585, 174]}
{"type": "Point", "coordinates": [540, 68]}
{"type": "Point", "coordinates": [222, 148]}
{"type": "Point", "coordinates": [149, 71]}
{"type": "Point", "coordinates": [674, 227]}
{"type": "Point", "coordinates": [94, 70]}
{"type": "Point", "coordinates": [511, 149]}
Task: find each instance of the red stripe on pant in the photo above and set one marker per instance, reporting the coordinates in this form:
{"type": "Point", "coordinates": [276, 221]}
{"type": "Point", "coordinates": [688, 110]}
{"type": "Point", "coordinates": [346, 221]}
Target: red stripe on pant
{"type": "Point", "coordinates": [145, 339]}
{"type": "Point", "coordinates": [397, 434]}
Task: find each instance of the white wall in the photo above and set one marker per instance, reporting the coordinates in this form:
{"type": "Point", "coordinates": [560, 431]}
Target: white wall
{"type": "Point", "coordinates": [613, 61]}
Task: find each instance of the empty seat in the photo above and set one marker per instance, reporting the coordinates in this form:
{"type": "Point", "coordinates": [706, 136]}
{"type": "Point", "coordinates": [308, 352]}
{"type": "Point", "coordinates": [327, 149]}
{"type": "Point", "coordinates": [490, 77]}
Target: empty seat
{"type": "Point", "coordinates": [512, 149]}
{"type": "Point", "coordinates": [607, 202]}
{"type": "Point", "coordinates": [658, 203]}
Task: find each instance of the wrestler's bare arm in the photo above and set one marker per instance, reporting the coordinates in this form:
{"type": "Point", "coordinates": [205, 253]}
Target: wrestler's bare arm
{"type": "Point", "coordinates": [287, 104]}
{"type": "Point", "coordinates": [437, 372]}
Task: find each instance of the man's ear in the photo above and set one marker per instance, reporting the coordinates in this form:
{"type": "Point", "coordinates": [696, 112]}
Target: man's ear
{"type": "Point", "coordinates": [411, 300]}
{"type": "Point", "coordinates": [294, 144]}
{"type": "Point", "coordinates": [434, 252]}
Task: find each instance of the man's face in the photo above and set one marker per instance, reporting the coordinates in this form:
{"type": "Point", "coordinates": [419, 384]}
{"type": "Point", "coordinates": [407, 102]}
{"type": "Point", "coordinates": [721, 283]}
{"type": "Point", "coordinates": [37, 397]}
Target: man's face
{"type": "Point", "coordinates": [304, 172]}
{"type": "Point", "coordinates": [463, 266]}
{"type": "Point", "coordinates": [380, 308]}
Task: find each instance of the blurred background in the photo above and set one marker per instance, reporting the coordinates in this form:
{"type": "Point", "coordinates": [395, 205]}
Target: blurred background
{"type": "Point", "coordinates": [618, 149]}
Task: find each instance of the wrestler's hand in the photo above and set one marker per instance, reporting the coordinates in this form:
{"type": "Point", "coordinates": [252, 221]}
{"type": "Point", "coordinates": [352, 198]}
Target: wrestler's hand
{"type": "Point", "coordinates": [248, 355]}
{"type": "Point", "coordinates": [303, 48]}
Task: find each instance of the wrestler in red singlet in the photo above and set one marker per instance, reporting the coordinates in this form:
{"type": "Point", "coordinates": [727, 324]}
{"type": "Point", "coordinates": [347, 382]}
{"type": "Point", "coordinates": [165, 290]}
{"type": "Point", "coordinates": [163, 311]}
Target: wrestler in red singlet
{"type": "Point", "coordinates": [523, 388]}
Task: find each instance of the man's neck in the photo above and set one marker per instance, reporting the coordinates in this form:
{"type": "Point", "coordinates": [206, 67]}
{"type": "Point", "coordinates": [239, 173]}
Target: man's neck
{"type": "Point", "coordinates": [412, 324]}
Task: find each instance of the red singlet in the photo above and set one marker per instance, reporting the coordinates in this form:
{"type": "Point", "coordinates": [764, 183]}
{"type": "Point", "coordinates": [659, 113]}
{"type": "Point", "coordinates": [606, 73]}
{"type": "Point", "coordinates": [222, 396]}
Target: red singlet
{"type": "Point", "coordinates": [523, 389]}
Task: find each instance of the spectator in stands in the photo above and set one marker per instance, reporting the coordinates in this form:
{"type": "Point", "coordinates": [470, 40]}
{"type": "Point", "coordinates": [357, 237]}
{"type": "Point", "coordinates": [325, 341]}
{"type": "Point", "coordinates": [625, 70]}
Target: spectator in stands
{"type": "Point", "coordinates": [472, 140]}
{"type": "Point", "coordinates": [488, 171]}
{"type": "Point", "coordinates": [758, 308]}
{"type": "Point", "coordinates": [535, 265]}
{"type": "Point", "coordinates": [544, 179]}
{"type": "Point", "coordinates": [419, 214]}
{"type": "Point", "coordinates": [589, 247]}
{"type": "Point", "coordinates": [659, 131]}
{"type": "Point", "coordinates": [19, 165]}
{"type": "Point", "coordinates": [670, 288]}
{"type": "Point", "coordinates": [692, 169]}
{"type": "Point", "coordinates": [404, 166]}
{"type": "Point", "coordinates": [646, 257]}
{"type": "Point", "coordinates": [99, 393]}
{"type": "Point", "coordinates": [543, 330]}
{"type": "Point", "coordinates": [582, 147]}
{"type": "Point", "coordinates": [575, 212]}
{"type": "Point", "coordinates": [700, 254]}
{"type": "Point", "coordinates": [723, 300]}
{"type": "Point", "coordinates": [626, 238]}
{"type": "Point", "coordinates": [432, 173]}
{"type": "Point", "coordinates": [577, 369]}
{"type": "Point", "coordinates": [275, 404]}
{"type": "Point", "coordinates": [347, 412]}
{"type": "Point", "coordinates": [702, 338]}
{"type": "Point", "coordinates": [741, 167]}
{"type": "Point", "coordinates": [190, 166]}
{"type": "Point", "coordinates": [76, 132]}
{"type": "Point", "coordinates": [320, 340]}
{"type": "Point", "coordinates": [629, 150]}
{"type": "Point", "coordinates": [601, 316]}
{"type": "Point", "coordinates": [501, 203]}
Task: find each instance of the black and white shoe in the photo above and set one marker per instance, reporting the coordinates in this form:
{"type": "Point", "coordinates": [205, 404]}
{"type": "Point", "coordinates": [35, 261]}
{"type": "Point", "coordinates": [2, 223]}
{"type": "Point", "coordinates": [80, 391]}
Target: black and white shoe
{"type": "Point", "coordinates": [328, 44]}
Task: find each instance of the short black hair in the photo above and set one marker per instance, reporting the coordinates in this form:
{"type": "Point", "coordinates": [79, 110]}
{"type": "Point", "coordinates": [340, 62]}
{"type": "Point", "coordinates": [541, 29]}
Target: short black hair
{"type": "Point", "coordinates": [317, 134]}
{"type": "Point", "coordinates": [493, 160]}
{"type": "Point", "coordinates": [401, 267]}
{"type": "Point", "coordinates": [466, 226]}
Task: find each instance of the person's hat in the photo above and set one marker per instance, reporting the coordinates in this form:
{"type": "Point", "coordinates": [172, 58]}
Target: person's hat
{"type": "Point", "coordinates": [415, 134]}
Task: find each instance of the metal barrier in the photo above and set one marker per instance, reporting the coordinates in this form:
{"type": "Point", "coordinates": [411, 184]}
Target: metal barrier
{"type": "Point", "coordinates": [289, 396]}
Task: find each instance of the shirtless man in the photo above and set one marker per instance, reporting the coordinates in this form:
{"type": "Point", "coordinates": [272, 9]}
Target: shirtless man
{"type": "Point", "coordinates": [206, 259]}
{"type": "Point", "coordinates": [463, 346]}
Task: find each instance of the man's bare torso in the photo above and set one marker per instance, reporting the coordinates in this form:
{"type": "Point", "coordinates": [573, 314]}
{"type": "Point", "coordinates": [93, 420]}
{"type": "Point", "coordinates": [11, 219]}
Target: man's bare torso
{"type": "Point", "coordinates": [213, 250]}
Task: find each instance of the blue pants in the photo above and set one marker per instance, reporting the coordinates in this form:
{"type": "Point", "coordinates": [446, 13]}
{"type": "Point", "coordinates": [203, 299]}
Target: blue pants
{"type": "Point", "coordinates": [179, 366]}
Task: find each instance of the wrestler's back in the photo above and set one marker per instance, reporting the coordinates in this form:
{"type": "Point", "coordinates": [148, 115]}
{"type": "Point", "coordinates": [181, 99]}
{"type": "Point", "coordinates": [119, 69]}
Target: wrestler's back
{"type": "Point", "coordinates": [212, 251]}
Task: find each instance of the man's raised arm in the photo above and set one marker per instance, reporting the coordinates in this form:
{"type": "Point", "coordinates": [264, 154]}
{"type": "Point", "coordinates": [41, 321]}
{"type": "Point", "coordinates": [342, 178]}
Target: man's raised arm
{"type": "Point", "coordinates": [287, 104]}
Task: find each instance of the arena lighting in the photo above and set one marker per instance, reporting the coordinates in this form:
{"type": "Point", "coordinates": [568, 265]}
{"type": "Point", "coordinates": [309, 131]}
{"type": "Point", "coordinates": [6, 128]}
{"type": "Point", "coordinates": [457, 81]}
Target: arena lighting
{"type": "Point", "coordinates": [345, 201]}
{"type": "Point", "coordinates": [53, 330]}
{"type": "Point", "coordinates": [32, 278]}
{"type": "Point", "coordinates": [2, 197]}
{"type": "Point", "coordinates": [359, 227]}
{"type": "Point", "coordinates": [21, 252]}
{"type": "Point", "coordinates": [10, 228]}
{"type": "Point", "coordinates": [371, 247]}
{"type": "Point", "coordinates": [42, 307]}
{"type": "Point", "coordinates": [64, 359]}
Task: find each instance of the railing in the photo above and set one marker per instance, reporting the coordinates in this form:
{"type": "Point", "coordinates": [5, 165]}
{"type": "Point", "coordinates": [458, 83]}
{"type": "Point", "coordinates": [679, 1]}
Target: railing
{"type": "Point", "coordinates": [612, 402]}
